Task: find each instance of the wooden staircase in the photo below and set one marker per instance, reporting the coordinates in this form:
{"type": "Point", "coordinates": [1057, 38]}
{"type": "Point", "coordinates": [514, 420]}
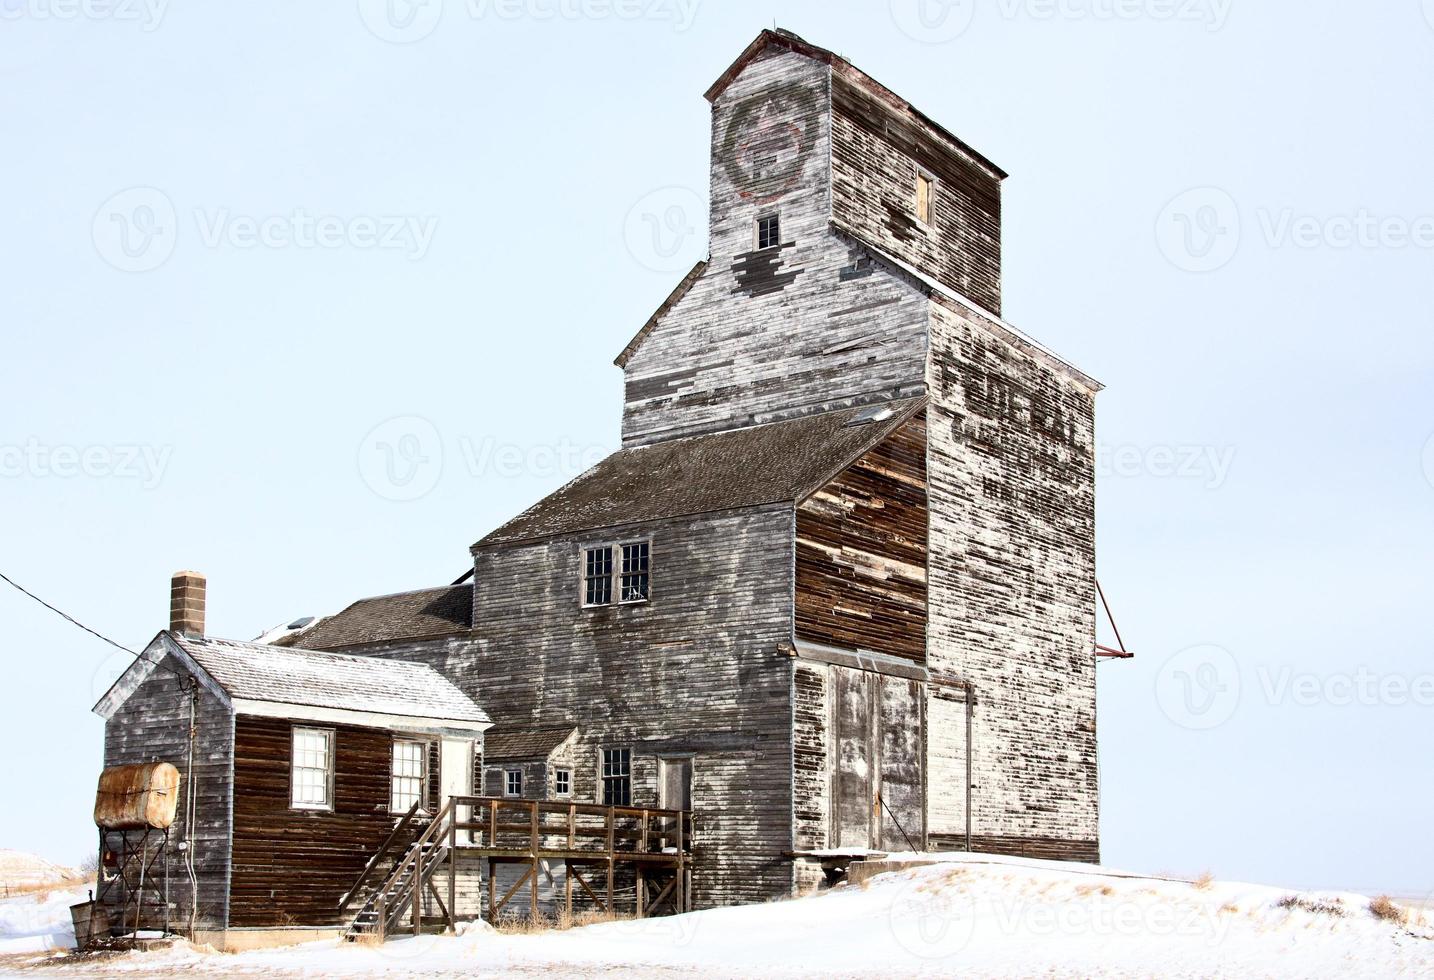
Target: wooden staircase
{"type": "Point", "coordinates": [386, 907]}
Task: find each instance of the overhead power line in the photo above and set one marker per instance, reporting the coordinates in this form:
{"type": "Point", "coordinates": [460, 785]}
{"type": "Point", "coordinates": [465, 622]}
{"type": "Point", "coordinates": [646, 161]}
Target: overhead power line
{"type": "Point", "coordinates": [73, 621]}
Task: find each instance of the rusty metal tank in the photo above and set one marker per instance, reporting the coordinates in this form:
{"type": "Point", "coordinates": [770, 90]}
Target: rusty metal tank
{"type": "Point", "coordinates": [136, 797]}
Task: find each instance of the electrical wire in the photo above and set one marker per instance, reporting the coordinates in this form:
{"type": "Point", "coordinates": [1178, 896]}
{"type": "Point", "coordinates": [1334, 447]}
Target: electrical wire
{"type": "Point", "coordinates": [73, 621]}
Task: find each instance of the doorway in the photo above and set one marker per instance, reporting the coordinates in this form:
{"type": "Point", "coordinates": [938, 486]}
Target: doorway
{"type": "Point", "coordinates": [455, 778]}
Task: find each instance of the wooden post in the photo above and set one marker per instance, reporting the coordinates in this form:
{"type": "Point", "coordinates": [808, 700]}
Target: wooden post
{"type": "Point", "coordinates": [640, 887]}
{"type": "Point", "coordinates": [681, 865]}
{"type": "Point", "coordinates": [416, 886]}
{"type": "Point", "coordinates": [453, 868]}
{"type": "Point", "coordinates": [492, 892]}
{"type": "Point", "coordinates": [610, 849]}
{"type": "Point", "coordinates": [533, 850]}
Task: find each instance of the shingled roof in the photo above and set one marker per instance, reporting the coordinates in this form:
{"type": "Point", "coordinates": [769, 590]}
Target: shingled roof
{"type": "Point", "coordinates": [254, 678]}
{"type": "Point", "coordinates": [529, 743]}
{"type": "Point", "coordinates": [739, 468]}
{"type": "Point", "coordinates": [403, 616]}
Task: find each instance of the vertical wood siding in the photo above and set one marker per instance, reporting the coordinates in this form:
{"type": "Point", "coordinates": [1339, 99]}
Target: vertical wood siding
{"type": "Point", "coordinates": [861, 552]}
{"type": "Point", "coordinates": [153, 726]}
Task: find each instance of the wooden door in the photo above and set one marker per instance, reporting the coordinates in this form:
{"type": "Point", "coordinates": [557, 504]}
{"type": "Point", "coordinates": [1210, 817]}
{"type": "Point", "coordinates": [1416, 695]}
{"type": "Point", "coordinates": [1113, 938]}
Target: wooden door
{"type": "Point", "coordinates": [854, 765]}
{"type": "Point", "coordinates": [455, 778]}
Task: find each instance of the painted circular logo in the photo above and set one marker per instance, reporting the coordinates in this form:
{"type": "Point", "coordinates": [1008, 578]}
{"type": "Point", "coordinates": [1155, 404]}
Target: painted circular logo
{"type": "Point", "coordinates": [768, 141]}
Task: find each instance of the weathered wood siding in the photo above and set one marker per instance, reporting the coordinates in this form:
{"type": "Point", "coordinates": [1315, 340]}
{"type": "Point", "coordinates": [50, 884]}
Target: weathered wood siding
{"type": "Point", "coordinates": [697, 671]}
{"type": "Point", "coordinates": [861, 552]}
{"type": "Point", "coordinates": [1012, 489]}
{"type": "Point", "coordinates": [291, 866]}
{"type": "Point", "coordinates": [153, 726]}
{"type": "Point", "coordinates": [877, 152]}
{"type": "Point", "coordinates": [781, 333]}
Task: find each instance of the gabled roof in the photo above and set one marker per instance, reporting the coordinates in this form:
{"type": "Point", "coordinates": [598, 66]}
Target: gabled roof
{"type": "Point", "coordinates": [672, 300]}
{"type": "Point", "coordinates": [402, 616]}
{"type": "Point", "coordinates": [255, 679]}
{"type": "Point", "coordinates": [506, 744]}
{"type": "Point", "coordinates": [792, 42]}
{"type": "Point", "coordinates": [779, 462]}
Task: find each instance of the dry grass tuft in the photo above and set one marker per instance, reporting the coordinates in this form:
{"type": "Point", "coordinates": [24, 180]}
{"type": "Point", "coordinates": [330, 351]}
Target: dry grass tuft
{"type": "Point", "coordinates": [542, 922]}
{"type": "Point", "coordinates": [1383, 908]}
{"type": "Point", "coordinates": [1315, 906]}
{"type": "Point", "coordinates": [1204, 881]}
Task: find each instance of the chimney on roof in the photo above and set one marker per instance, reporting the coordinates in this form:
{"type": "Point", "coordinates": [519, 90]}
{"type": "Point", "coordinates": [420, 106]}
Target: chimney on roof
{"type": "Point", "coordinates": [186, 603]}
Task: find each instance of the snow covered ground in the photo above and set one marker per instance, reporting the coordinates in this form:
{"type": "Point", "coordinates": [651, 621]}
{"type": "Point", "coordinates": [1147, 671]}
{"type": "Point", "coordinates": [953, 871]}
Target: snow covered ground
{"type": "Point", "coordinates": [41, 921]}
{"type": "Point", "coordinates": [973, 915]}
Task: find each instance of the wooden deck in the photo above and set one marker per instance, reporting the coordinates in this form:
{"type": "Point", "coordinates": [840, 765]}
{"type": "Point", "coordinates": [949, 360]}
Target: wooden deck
{"type": "Point", "coordinates": [595, 845]}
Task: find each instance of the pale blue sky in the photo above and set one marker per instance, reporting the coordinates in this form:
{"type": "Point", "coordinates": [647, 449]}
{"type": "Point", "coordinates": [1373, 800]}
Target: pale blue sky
{"type": "Point", "coordinates": [1265, 495]}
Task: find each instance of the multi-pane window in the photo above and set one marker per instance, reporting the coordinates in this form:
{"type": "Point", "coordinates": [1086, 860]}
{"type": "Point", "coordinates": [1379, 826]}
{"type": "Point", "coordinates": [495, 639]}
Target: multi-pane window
{"type": "Point", "coordinates": [563, 782]}
{"type": "Point", "coordinates": [617, 777]}
{"type": "Point", "coordinates": [617, 573]}
{"type": "Point", "coordinates": [634, 572]}
{"type": "Point", "coordinates": [408, 771]}
{"type": "Point", "coordinates": [769, 231]}
{"type": "Point", "coordinates": [597, 576]}
{"type": "Point", "coordinates": [513, 782]}
{"type": "Point", "coordinates": [311, 769]}
{"type": "Point", "coordinates": [925, 194]}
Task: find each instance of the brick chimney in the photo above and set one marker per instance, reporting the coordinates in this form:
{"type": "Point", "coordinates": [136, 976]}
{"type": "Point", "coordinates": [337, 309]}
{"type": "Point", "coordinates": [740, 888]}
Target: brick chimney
{"type": "Point", "coordinates": [186, 603]}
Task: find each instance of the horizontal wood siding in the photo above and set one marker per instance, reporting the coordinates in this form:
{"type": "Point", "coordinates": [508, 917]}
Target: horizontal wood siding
{"type": "Point", "coordinates": [1012, 485]}
{"type": "Point", "coordinates": [291, 867]}
{"type": "Point", "coordinates": [861, 552]}
{"type": "Point", "coordinates": [696, 671]}
{"type": "Point", "coordinates": [877, 152]}
{"type": "Point", "coordinates": [779, 333]}
{"type": "Point", "coordinates": [153, 726]}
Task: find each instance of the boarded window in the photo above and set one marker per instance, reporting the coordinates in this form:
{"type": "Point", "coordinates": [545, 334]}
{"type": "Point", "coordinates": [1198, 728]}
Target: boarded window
{"type": "Point", "coordinates": [597, 577]}
{"type": "Point", "coordinates": [925, 196]}
{"type": "Point", "coordinates": [513, 784]}
{"type": "Point", "coordinates": [769, 231]}
{"type": "Point", "coordinates": [562, 782]}
{"type": "Point", "coordinates": [634, 572]}
{"type": "Point", "coordinates": [617, 777]}
{"type": "Point", "coordinates": [409, 760]}
{"type": "Point", "coordinates": [312, 769]}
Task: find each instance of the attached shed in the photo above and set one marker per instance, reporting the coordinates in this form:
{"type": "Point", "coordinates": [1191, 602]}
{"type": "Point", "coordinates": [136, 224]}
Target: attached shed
{"type": "Point", "coordinates": [300, 766]}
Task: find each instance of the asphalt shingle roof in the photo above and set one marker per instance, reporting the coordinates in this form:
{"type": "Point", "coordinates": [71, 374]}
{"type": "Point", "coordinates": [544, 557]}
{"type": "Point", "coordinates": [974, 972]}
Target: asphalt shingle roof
{"type": "Point", "coordinates": [408, 615]}
{"type": "Point", "coordinates": [764, 464]}
{"type": "Point", "coordinates": [531, 743]}
{"type": "Point", "coordinates": [313, 678]}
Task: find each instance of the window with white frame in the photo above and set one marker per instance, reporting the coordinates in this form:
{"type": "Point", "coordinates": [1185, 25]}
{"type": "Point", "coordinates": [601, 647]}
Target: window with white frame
{"type": "Point", "coordinates": [513, 782]}
{"type": "Point", "coordinates": [409, 767]}
{"type": "Point", "coordinates": [769, 231]}
{"type": "Point", "coordinates": [617, 777]}
{"type": "Point", "coordinates": [562, 782]}
{"type": "Point", "coordinates": [617, 572]}
{"type": "Point", "coordinates": [311, 779]}
{"type": "Point", "coordinates": [597, 576]}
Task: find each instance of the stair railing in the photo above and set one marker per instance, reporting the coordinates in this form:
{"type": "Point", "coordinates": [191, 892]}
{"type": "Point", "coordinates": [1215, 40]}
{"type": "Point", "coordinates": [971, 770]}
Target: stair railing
{"type": "Point", "coordinates": [417, 879]}
{"type": "Point", "coordinates": [377, 858]}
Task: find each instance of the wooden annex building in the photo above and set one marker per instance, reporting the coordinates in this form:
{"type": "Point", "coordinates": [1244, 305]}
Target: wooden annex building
{"type": "Point", "coordinates": [835, 594]}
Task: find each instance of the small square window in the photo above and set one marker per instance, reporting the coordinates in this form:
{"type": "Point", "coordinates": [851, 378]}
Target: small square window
{"type": "Point", "coordinates": [513, 783]}
{"type": "Point", "coordinates": [925, 197]}
{"type": "Point", "coordinates": [634, 572]}
{"type": "Point", "coordinates": [562, 782]}
{"type": "Point", "coordinates": [597, 577]}
{"type": "Point", "coordinates": [769, 231]}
